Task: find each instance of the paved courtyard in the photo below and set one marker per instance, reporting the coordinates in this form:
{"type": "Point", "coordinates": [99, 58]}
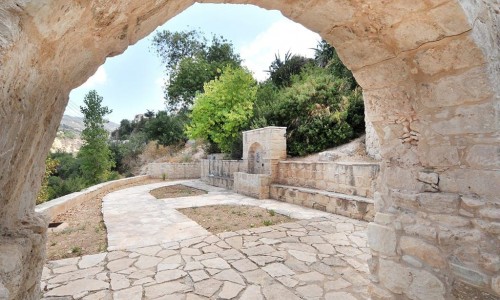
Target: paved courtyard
{"type": "Point", "coordinates": [155, 252]}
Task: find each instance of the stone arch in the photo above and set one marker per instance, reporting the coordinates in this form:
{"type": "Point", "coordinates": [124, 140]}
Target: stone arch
{"type": "Point", "coordinates": [255, 161]}
{"type": "Point", "coordinates": [429, 70]}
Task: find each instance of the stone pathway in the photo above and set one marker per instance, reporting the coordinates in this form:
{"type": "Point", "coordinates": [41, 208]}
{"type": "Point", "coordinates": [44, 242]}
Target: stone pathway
{"type": "Point", "coordinates": [322, 256]}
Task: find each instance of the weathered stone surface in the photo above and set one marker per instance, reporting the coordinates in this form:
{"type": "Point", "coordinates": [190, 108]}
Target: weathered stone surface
{"type": "Point", "coordinates": [422, 250]}
{"type": "Point", "coordinates": [394, 276]}
{"type": "Point", "coordinates": [433, 62]}
{"type": "Point", "coordinates": [134, 293]}
{"type": "Point", "coordinates": [78, 286]}
{"type": "Point", "coordinates": [207, 287]}
{"type": "Point", "coordinates": [277, 270]}
{"type": "Point", "coordinates": [469, 275]}
{"type": "Point", "coordinates": [424, 285]}
{"type": "Point", "coordinates": [158, 290]}
{"type": "Point", "coordinates": [230, 290]}
{"type": "Point", "coordinates": [382, 239]}
{"type": "Point", "coordinates": [277, 291]}
{"type": "Point", "coordinates": [252, 292]}
{"type": "Point", "coordinates": [88, 261]}
{"type": "Point", "coordinates": [119, 281]}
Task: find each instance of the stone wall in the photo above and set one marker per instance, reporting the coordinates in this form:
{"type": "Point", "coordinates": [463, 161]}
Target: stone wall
{"type": "Point", "coordinates": [429, 70]}
{"type": "Point", "coordinates": [219, 172]}
{"type": "Point", "coordinates": [173, 170]}
{"type": "Point", "coordinates": [253, 185]}
{"type": "Point", "coordinates": [351, 178]}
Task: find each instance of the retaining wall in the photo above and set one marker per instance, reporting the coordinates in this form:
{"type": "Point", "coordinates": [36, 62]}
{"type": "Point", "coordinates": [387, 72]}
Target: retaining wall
{"type": "Point", "coordinates": [351, 178]}
{"type": "Point", "coordinates": [174, 170]}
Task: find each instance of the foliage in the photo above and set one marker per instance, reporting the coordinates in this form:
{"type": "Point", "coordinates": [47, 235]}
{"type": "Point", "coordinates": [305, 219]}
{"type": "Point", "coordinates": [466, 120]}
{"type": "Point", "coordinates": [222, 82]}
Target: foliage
{"type": "Point", "coordinates": [190, 61]}
{"type": "Point", "coordinates": [126, 153]}
{"type": "Point", "coordinates": [326, 57]}
{"type": "Point", "coordinates": [281, 71]}
{"type": "Point", "coordinates": [166, 129]}
{"type": "Point", "coordinates": [319, 111]}
{"type": "Point", "coordinates": [50, 168]}
{"type": "Point", "coordinates": [224, 109]}
{"type": "Point", "coordinates": [95, 156]}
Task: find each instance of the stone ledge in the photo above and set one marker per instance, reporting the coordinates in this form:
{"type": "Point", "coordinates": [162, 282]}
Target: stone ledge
{"type": "Point", "coordinates": [355, 207]}
{"type": "Point", "coordinates": [59, 205]}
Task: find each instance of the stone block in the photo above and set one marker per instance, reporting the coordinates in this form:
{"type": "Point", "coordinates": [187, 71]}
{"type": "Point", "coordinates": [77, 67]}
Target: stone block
{"type": "Point", "coordinates": [423, 251]}
{"type": "Point", "coordinates": [394, 276]}
{"type": "Point", "coordinates": [445, 203]}
{"type": "Point", "coordinates": [469, 275]}
{"type": "Point", "coordinates": [382, 239]}
{"type": "Point", "coordinates": [389, 73]}
{"type": "Point", "coordinates": [484, 157]}
{"type": "Point", "coordinates": [421, 230]}
{"type": "Point", "coordinates": [425, 286]}
{"type": "Point", "coordinates": [463, 291]}
{"type": "Point", "coordinates": [490, 213]}
{"type": "Point", "coordinates": [495, 284]}
{"type": "Point", "coordinates": [428, 177]}
{"type": "Point", "coordinates": [413, 32]}
{"type": "Point", "coordinates": [468, 87]}
{"type": "Point", "coordinates": [483, 183]}
{"type": "Point", "coordinates": [467, 119]}
{"type": "Point", "coordinates": [445, 56]}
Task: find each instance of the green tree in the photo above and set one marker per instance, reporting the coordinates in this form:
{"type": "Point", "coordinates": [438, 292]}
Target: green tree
{"type": "Point", "coordinates": [326, 57]}
{"type": "Point", "coordinates": [95, 155]}
{"type": "Point", "coordinates": [224, 109]}
{"type": "Point", "coordinates": [318, 109]}
{"type": "Point", "coordinates": [281, 71]}
{"type": "Point", "coordinates": [166, 129]}
{"type": "Point", "coordinates": [190, 61]}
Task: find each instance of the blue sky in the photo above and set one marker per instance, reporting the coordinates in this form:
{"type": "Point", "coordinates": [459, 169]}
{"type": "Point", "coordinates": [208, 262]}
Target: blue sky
{"type": "Point", "coordinates": [132, 82]}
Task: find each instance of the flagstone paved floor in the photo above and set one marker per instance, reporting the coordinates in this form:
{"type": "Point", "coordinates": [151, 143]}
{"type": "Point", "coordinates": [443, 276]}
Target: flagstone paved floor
{"type": "Point", "coordinates": [157, 253]}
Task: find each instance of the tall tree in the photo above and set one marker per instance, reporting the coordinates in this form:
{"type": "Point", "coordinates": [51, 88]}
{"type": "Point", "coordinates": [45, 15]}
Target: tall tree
{"type": "Point", "coordinates": [281, 70]}
{"type": "Point", "coordinates": [190, 61]}
{"type": "Point", "coordinates": [224, 109]}
{"type": "Point", "coordinates": [95, 155]}
{"type": "Point", "coordinates": [326, 57]}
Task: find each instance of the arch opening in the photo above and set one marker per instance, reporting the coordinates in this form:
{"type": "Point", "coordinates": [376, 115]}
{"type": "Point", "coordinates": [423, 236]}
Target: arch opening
{"type": "Point", "coordinates": [429, 76]}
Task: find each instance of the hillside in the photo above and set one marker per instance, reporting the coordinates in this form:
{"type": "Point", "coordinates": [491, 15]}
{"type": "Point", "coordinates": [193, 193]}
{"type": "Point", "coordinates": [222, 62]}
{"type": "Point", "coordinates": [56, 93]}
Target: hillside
{"type": "Point", "coordinates": [68, 135]}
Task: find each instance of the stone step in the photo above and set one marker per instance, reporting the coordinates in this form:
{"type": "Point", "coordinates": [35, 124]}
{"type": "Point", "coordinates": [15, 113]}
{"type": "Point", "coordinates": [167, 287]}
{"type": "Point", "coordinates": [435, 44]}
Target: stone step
{"type": "Point", "coordinates": [355, 207]}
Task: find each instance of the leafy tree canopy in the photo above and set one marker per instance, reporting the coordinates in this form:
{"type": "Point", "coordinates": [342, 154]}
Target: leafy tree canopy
{"type": "Point", "coordinates": [190, 61]}
{"type": "Point", "coordinates": [224, 109]}
{"type": "Point", "coordinates": [166, 129]}
{"type": "Point", "coordinates": [281, 71]}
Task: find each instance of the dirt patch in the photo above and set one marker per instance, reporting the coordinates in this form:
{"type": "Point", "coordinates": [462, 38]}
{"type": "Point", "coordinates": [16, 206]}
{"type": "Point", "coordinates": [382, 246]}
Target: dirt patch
{"type": "Point", "coordinates": [221, 218]}
{"type": "Point", "coordinates": [176, 191]}
{"type": "Point", "coordinates": [86, 232]}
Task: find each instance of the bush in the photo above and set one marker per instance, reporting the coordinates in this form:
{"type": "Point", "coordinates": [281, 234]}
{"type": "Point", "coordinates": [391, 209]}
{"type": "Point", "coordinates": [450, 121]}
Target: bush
{"type": "Point", "coordinates": [318, 109]}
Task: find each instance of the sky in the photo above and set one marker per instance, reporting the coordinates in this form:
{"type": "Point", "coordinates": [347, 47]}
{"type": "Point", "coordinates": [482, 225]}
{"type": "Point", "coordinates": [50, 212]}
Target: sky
{"type": "Point", "coordinates": [131, 83]}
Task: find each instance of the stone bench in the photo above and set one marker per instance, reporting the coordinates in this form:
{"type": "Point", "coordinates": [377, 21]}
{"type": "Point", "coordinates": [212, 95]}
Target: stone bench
{"type": "Point", "coordinates": [355, 207]}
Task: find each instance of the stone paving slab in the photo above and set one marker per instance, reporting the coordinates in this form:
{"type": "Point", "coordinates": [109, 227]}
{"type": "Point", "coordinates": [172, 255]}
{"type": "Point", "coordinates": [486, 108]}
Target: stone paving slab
{"type": "Point", "coordinates": [321, 257]}
{"type": "Point", "coordinates": [134, 218]}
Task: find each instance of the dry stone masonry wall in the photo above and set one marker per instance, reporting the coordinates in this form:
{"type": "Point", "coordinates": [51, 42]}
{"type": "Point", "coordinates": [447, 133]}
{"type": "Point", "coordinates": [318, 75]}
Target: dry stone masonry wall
{"type": "Point", "coordinates": [429, 70]}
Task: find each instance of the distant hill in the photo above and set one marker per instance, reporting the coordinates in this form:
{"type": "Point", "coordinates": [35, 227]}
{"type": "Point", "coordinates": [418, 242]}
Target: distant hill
{"type": "Point", "coordinates": [68, 135]}
{"type": "Point", "coordinates": [75, 124]}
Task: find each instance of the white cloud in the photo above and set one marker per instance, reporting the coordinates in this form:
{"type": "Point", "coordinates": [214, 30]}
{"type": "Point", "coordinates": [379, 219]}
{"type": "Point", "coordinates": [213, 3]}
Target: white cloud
{"type": "Point", "coordinates": [281, 37]}
{"type": "Point", "coordinates": [99, 78]}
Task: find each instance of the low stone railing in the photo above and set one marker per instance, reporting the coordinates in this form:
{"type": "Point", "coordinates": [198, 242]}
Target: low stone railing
{"type": "Point", "coordinates": [59, 205]}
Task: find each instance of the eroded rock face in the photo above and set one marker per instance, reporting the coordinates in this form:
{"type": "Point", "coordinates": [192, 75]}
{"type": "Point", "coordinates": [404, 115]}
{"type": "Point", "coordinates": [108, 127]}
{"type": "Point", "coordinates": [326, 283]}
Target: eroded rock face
{"type": "Point", "coordinates": [430, 72]}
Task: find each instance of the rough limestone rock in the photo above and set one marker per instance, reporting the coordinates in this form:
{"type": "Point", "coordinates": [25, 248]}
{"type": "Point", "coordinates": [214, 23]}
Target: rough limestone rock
{"type": "Point", "coordinates": [429, 70]}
